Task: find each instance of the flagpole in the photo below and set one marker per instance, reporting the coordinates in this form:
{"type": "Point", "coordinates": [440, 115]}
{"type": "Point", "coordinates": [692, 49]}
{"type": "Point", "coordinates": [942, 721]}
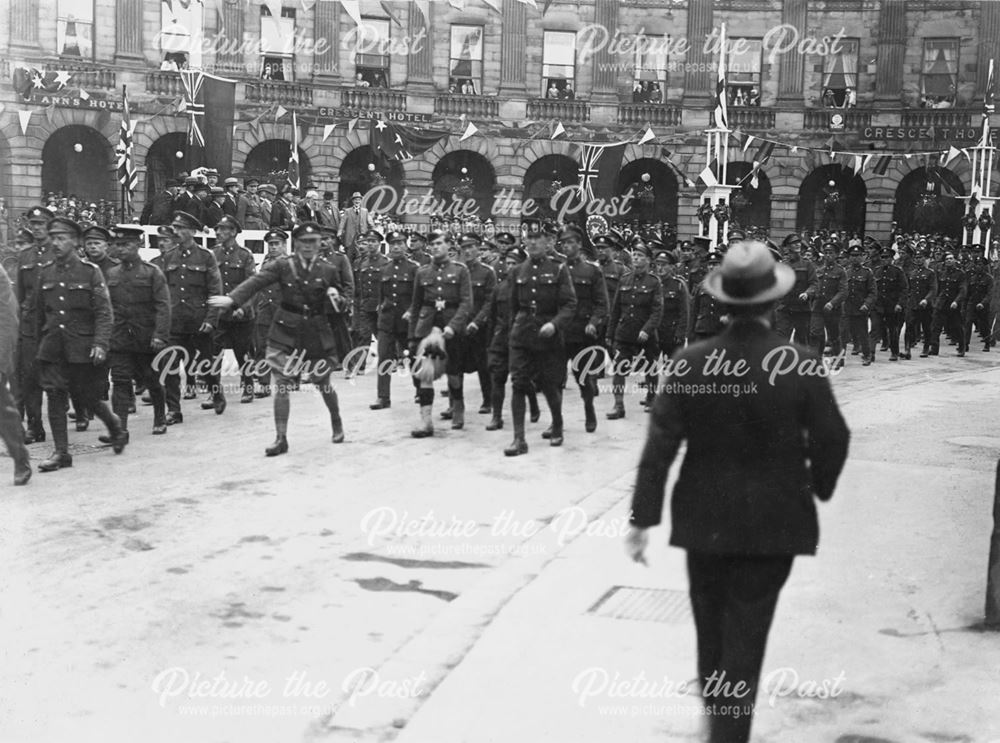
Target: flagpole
{"type": "Point", "coordinates": [982, 170]}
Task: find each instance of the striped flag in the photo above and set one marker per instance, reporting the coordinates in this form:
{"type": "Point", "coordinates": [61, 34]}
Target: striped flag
{"type": "Point", "coordinates": [762, 155]}
{"type": "Point", "coordinates": [127, 174]}
{"type": "Point", "coordinates": [988, 107]}
{"type": "Point", "coordinates": [721, 115]}
{"type": "Point", "coordinates": [294, 174]}
{"type": "Point", "coordinates": [882, 166]}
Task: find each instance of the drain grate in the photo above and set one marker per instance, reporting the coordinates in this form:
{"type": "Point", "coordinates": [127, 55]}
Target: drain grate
{"type": "Point", "coordinates": [643, 605]}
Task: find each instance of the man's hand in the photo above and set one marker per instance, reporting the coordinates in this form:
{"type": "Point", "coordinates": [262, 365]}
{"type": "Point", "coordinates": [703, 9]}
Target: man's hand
{"type": "Point", "coordinates": [724, 319]}
{"type": "Point", "coordinates": [923, 302]}
{"type": "Point", "coordinates": [220, 300]}
{"type": "Point", "coordinates": [828, 307]}
{"type": "Point", "coordinates": [238, 313]}
{"type": "Point", "coordinates": [448, 333]}
{"type": "Point", "coordinates": [897, 309]}
{"type": "Point", "coordinates": [803, 296]}
{"type": "Point", "coordinates": [471, 328]}
{"type": "Point", "coordinates": [954, 305]}
{"type": "Point", "coordinates": [591, 330]}
{"type": "Point", "coordinates": [979, 306]}
{"type": "Point", "coordinates": [547, 330]}
{"type": "Point", "coordinates": [158, 344]}
{"type": "Point", "coordinates": [206, 327]}
{"type": "Point", "coordinates": [643, 336]}
{"type": "Point", "coordinates": [635, 544]}
{"type": "Point", "coordinates": [863, 308]}
{"type": "Point", "coordinates": [98, 355]}
{"type": "Point", "coordinates": [406, 316]}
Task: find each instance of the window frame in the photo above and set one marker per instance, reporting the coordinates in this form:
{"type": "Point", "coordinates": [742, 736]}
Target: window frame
{"type": "Point", "coordinates": [62, 20]}
{"type": "Point", "coordinates": [547, 78]}
{"type": "Point", "coordinates": [370, 72]}
{"type": "Point", "coordinates": [271, 59]}
{"type": "Point", "coordinates": [840, 94]}
{"type": "Point", "coordinates": [192, 53]}
{"type": "Point", "coordinates": [452, 61]}
{"type": "Point", "coordinates": [640, 67]}
{"type": "Point", "coordinates": [957, 42]}
{"type": "Point", "coordinates": [739, 90]}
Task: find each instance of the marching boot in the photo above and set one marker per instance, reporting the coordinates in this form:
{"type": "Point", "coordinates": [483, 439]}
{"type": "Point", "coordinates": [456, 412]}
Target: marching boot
{"type": "Point", "coordinates": [219, 401]}
{"type": "Point", "coordinates": [554, 399]}
{"type": "Point", "coordinates": [426, 427]}
{"type": "Point", "coordinates": [60, 457]}
{"type": "Point", "coordinates": [34, 435]}
{"type": "Point", "coordinates": [280, 446]}
{"type": "Point", "coordinates": [496, 404]}
{"type": "Point", "coordinates": [333, 406]}
{"type": "Point", "coordinates": [13, 437]}
{"type": "Point", "coordinates": [118, 437]}
{"type": "Point", "coordinates": [618, 411]}
{"type": "Point", "coordinates": [518, 446]}
{"type": "Point", "coordinates": [590, 416]}
{"type": "Point", "coordinates": [533, 408]}
{"type": "Point", "coordinates": [247, 395]}
{"type": "Point", "coordinates": [458, 414]}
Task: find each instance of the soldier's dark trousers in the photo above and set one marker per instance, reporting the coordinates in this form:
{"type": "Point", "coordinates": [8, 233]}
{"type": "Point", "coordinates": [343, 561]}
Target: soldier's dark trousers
{"type": "Point", "coordinates": [28, 390]}
{"type": "Point", "coordinates": [918, 318]}
{"type": "Point", "coordinates": [981, 319]}
{"type": "Point", "coordinates": [239, 337]}
{"type": "Point", "coordinates": [260, 332]}
{"type": "Point", "coordinates": [858, 328]}
{"type": "Point", "coordinates": [364, 328]}
{"type": "Point", "coordinates": [198, 347]}
{"type": "Point", "coordinates": [58, 380]}
{"type": "Point", "coordinates": [390, 352]}
{"type": "Point", "coordinates": [825, 326]}
{"type": "Point", "coordinates": [887, 325]}
{"type": "Point", "coordinates": [127, 366]}
{"type": "Point", "coordinates": [585, 362]}
{"type": "Point", "coordinates": [631, 357]}
{"type": "Point", "coordinates": [10, 426]}
{"type": "Point", "coordinates": [788, 321]}
{"type": "Point", "coordinates": [950, 321]}
{"type": "Point", "coordinates": [548, 367]}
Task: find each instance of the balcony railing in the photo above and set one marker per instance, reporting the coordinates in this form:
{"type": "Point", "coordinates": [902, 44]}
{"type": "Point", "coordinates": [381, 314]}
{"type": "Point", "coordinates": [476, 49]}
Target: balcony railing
{"type": "Point", "coordinates": [470, 105]}
{"type": "Point", "coordinates": [84, 75]}
{"type": "Point", "coordinates": [751, 117]}
{"type": "Point", "coordinates": [376, 99]}
{"type": "Point", "coordinates": [819, 118]}
{"type": "Point", "coordinates": [935, 117]}
{"type": "Point", "coordinates": [285, 93]}
{"type": "Point", "coordinates": [660, 114]}
{"type": "Point", "coordinates": [167, 84]}
{"type": "Point", "coordinates": [542, 108]}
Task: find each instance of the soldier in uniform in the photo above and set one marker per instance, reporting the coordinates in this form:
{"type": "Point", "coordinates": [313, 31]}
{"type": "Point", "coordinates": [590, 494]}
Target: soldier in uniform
{"type": "Point", "coordinates": [418, 248]}
{"type": "Point", "coordinates": [73, 315]}
{"type": "Point", "coordinates": [581, 334]}
{"type": "Point", "coordinates": [861, 296]}
{"type": "Point", "coordinates": [635, 319]}
{"type": "Point", "coordinates": [249, 209]}
{"type": "Point", "coordinates": [266, 304]}
{"type": "Point", "coordinates": [140, 302]}
{"type": "Point", "coordinates": [977, 303]}
{"type": "Point", "coordinates": [708, 316]}
{"type": "Point", "coordinates": [235, 329]}
{"type": "Point", "coordinates": [792, 314]}
{"type": "Point", "coordinates": [97, 249]}
{"type": "Point", "coordinates": [892, 289]}
{"type": "Point", "coordinates": [301, 329]}
{"type": "Point", "coordinates": [953, 287]}
{"type": "Point", "coordinates": [367, 275]}
{"type": "Point", "coordinates": [10, 422]}
{"type": "Point", "coordinates": [542, 304]}
{"type": "Point", "coordinates": [395, 293]}
{"type": "Point", "coordinates": [30, 262]}
{"type": "Point", "coordinates": [676, 309]}
{"type": "Point", "coordinates": [340, 316]}
{"type": "Point", "coordinates": [831, 290]}
{"type": "Point", "coordinates": [442, 298]}
{"type": "Point", "coordinates": [192, 277]}
{"type": "Point", "coordinates": [268, 193]}
{"type": "Point", "coordinates": [920, 303]}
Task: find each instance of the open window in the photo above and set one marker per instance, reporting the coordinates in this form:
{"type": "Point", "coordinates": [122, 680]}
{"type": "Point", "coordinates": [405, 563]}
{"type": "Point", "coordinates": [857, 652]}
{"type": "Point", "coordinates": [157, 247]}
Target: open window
{"type": "Point", "coordinates": [180, 35]}
{"type": "Point", "coordinates": [743, 71]}
{"type": "Point", "coordinates": [371, 63]}
{"type": "Point", "coordinates": [651, 69]}
{"type": "Point", "coordinates": [559, 64]}
{"type": "Point", "coordinates": [277, 44]}
{"type": "Point", "coordinates": [75, 28]}
{"type": "Point", "coordinates": [840, 76]}
{"type": "Point", "coordinates": [939, 81]}
{"type": "Point", "coordinates": [465, 69]}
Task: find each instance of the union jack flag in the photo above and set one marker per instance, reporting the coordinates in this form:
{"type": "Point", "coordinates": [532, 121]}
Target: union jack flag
{"type": "Point", "coordinates": [192, 81]}
{"type": "Point", "coordinates": [127, 174]}
{"type": "Point", "coordinates": [599, 164]}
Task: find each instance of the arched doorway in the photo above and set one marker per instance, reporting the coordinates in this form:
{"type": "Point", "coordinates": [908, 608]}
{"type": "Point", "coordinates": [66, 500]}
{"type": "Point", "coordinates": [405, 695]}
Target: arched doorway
{"type": "Point", "coordinates": [928, 200]}
{"type": "Point", "coordinates": [749, 206]}
{"type": "Point", "coordinates": [361, 172]}
{"type": "Point", "coordinates": [163, 163]}
{"type": "Point", "coordinates": [544, 178]}
{"type": "Point", "coordinates": [654, 188]}
{"type": "Point", "coordinates": [464, 176]}
{"type": "Point", "coordinates": [77, 161]}
{"type": "Point", "coordinates": [841, 206]}
{"type": "Point", "coordinates": [268, 161]}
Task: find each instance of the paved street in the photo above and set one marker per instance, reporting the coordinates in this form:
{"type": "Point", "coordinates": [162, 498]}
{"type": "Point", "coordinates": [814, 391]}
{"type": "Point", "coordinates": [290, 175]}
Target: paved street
{"type": "Point", "coordinates": [191, 589]}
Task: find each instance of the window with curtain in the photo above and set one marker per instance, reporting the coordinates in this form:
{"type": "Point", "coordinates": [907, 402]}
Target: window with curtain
{"type": "Point", "coordinates": [180, 35]}
{"type": "Point", "coordinates": [743, 71]}
{"type": "Point", "coordinates": [558, 64]}
{"type": "Point", "coordinates": [75, 28]}
{"type": "Point", "coordinates": [372, 60]}
{"type": "Point", "coordinates": [939, 81]}
{"type": "Point", "coordinates": [465, 70]}
{"type": "Point", "coordinates": [277, 44]}
{"type": "Point", "coordinates": [840, 75]}
{"type": "Point", "coordinates": [651, 69]}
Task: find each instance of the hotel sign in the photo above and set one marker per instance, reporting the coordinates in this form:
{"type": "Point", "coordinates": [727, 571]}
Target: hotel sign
{"type": "Point", "coordinates": [361, 113]}
{"type": "Point", "coordinates": [950, 134]}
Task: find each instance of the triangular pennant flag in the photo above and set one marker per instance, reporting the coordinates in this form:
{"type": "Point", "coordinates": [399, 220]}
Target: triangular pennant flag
{"type": "Point", "coordinates": [326, 130]}
{"type": "Point", "coordinates": [469, 131]}
{"type": "Point", "coordinates": [24, 117]}
{"type": "Point", "coordinates": [746, 145]}
{"type": "Point", "coordinates": [280, 112]}
{"type": "Point", "coordinates": [882, 166]}
{"type": "Point", "coordinates": [952, 153]}
{"type": "Point", "coordinates": [763, 152]}
{"type": "Point", "coordinates": [559, 130]}
{"type": "Point", "coordinates": [864, 163]}
{"type": "Point", "coordinates": [84, 95]}
{"type": "Point", "coordinates": [965, 152]}
{"type": "Point", "coordinates": [859, 164]}
{"type": "Point", "coordinates": [181, 105]}
{"type": "Point", "coordinates": [351, 124]}
{"type": "Point", "coordinates": [648, 135]}
{"type": "Point", "coordinates": [353, 8]}
{"type": "Point", "coordinates": [424, 6]}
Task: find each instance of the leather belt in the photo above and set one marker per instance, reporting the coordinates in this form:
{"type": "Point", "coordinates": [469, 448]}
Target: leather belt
{"type": "Point", "coordinates": [299, 310]}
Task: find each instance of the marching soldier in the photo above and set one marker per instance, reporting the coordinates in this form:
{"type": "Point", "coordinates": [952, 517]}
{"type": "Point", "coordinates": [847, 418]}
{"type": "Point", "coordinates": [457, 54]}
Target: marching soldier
{"type": "Point", "coordinates": [140, 302]}
{"type": "Point", "coordinates": [635, 318]}
{"type": "Point", "coordinates": [793, 311]}
{"type": "Point", "coordinates": [10, 422]}
{"type": "Point", "coordinates": [236, 265]}
{"type": "Point", "coordinates": [442, 298]}
{"type": "Point", "coordinates": [831, 290]}
{"type": "Point", "coordinates": [861, 295]}
{"type": "Point", "coordinates": [395, 293]}
{"type": "Point", "coordinates": [977, 304]}
{"type": "Point", "coordinates": [542, 304]}
{"type": "Point", "coordinates": [367, 275]}
{"type": "Point", "coordinates": [73, 315]}
{"type": "Point", "coordinates": [301, 331]}
{"type": "Point", "coordinates": [418, 248]}
{"type": "Point", "coordinates": [891, 297]}
{"type": "Point", "coordinates": [266, 305]}
{"type": "Point", "coordinates": [707, 313]}
{"type": "Point", "coordinates": [953, 288]}
{"type": "Point", "coordinates": [920, 303]}
{"type": "Point", "coordinates": [676, 308]}
{"type": "Point", "coordinates": [192, 277]}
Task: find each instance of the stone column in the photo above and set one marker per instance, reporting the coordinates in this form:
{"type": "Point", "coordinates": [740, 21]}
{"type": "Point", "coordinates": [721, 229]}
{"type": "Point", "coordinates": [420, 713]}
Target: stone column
{"type": "Point", "coordinates": [699, 80]}
{"type": "Point", "coordinates": [605, 73]}
{"type": "Point", "coordinates": [128, 30]}
{"type": "Point", "coordinates": [420, 70]}
{"type": "Point", "coordinates": [24, 25]}
{"type": "Point", "coordinates": [892, 40]}
{"type": "Point", "coordinates": [231, 59]}
{"type": "Point", "coordinates": [513, 53]}
{"type": "Point", "coordinates": [791, 64]}
{"type": "Point", "coordinates": [989, 45]}
{"type": "Point", "coordinates": [326, 27]}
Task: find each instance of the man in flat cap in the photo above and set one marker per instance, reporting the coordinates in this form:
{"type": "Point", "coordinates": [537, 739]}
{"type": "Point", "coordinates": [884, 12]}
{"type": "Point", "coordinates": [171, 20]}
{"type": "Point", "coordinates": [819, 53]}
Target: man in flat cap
{"type": "Point", "coordinates": [74, 320]}
{"type": "Point", "coordinates": [301, 331]}
{"type": "Point", "coordinates": [394, 296]}
{"type": "Point", "coordinates": [235, 329]}
{"type": "Point", "coordinates": [193, 276]}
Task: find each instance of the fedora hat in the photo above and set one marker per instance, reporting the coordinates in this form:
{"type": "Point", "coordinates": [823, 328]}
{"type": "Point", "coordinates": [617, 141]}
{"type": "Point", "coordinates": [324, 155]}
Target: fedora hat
{"type": "Point", "coordinates": [749, 275]}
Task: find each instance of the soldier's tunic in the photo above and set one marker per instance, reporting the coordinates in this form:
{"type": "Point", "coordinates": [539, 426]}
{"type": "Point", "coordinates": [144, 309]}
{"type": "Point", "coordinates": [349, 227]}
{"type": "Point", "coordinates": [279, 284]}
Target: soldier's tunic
{"type": "Point", "coordinates": [891, 289]}
{"type": "Point", "coordinates": [673, 328]}
{"type": "Point", "coordinates": [861, 295]}
{"type": "Point", "coordinates": [923, 288]}
{"type": "Point", "coordinates": [980, 289]}
{"type": "Point", "coordinates": [367, 275]}
{"type": "Point", "coordinates": [706, 315]}
{"type": "Point", "coordinates": [236, 265]}
{"type": "Point", "coordinates": [340, 322]}
{"type": "Point", "coordinates": [793, 313]}
{"type": "Point", "coordinates": [395, 293]}
{"type": "Point", "coordinates": [265, 305]}
{"type": "Point", "coordinates": [192, 275]}
{"type": "Point", "coordinates": [592, 308]}
{"type": "Point", "coordinates": [495, 316]}
{"type": "Point", "coordinates": [831, 288]}
{"type": "Point", "coordinates": [952, 288]}
{"type": "Point", "coordinates": [140, 301]}
{"type": "Point", "coordinates": [442, 297]}
{"type": "Point", "coordinates": [250, 212]}
{"type": "Point", "coordinates": [27, 388]}
{"type": "Point", "coordinates": [471, 347]}
{"type": "Point", "coordinates": [637, 307]}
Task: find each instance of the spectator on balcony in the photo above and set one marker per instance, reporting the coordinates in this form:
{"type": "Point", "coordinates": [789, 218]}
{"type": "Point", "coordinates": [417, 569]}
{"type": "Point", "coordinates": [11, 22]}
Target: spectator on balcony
{"type": "Point", "coordinates": [639, 92]}
{"type": "Point", "coordinates": [753, 97]}
{"type": "Point", "coordinates": [468, 88]}
{"type": "Point", "coordinates": [553, 91]}
{"type": "Point", "coordinates": [655, 94]}
{"type": "Point", "coordinates": [452, 88]}
{"type": "Point", "coordinates": [380, 81]}
{"type": "Point", "coordinates": [851, 99]}
{"type": "Point", "coordinates": [360, 82]}
{"type": "Point", "coordinates": [568, 93]}
{"type": "Point", "coordinates": [829, 100]}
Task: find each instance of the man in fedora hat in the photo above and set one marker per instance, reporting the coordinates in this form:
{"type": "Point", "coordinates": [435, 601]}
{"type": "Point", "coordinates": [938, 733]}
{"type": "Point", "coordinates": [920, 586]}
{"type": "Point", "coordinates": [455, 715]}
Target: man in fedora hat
{"type": "Point", "coordinates": [356, 222]}
{"type": "Point", "coordinates": [231, 203]}
{"type": "Point", "coordinates": [743, 506]}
